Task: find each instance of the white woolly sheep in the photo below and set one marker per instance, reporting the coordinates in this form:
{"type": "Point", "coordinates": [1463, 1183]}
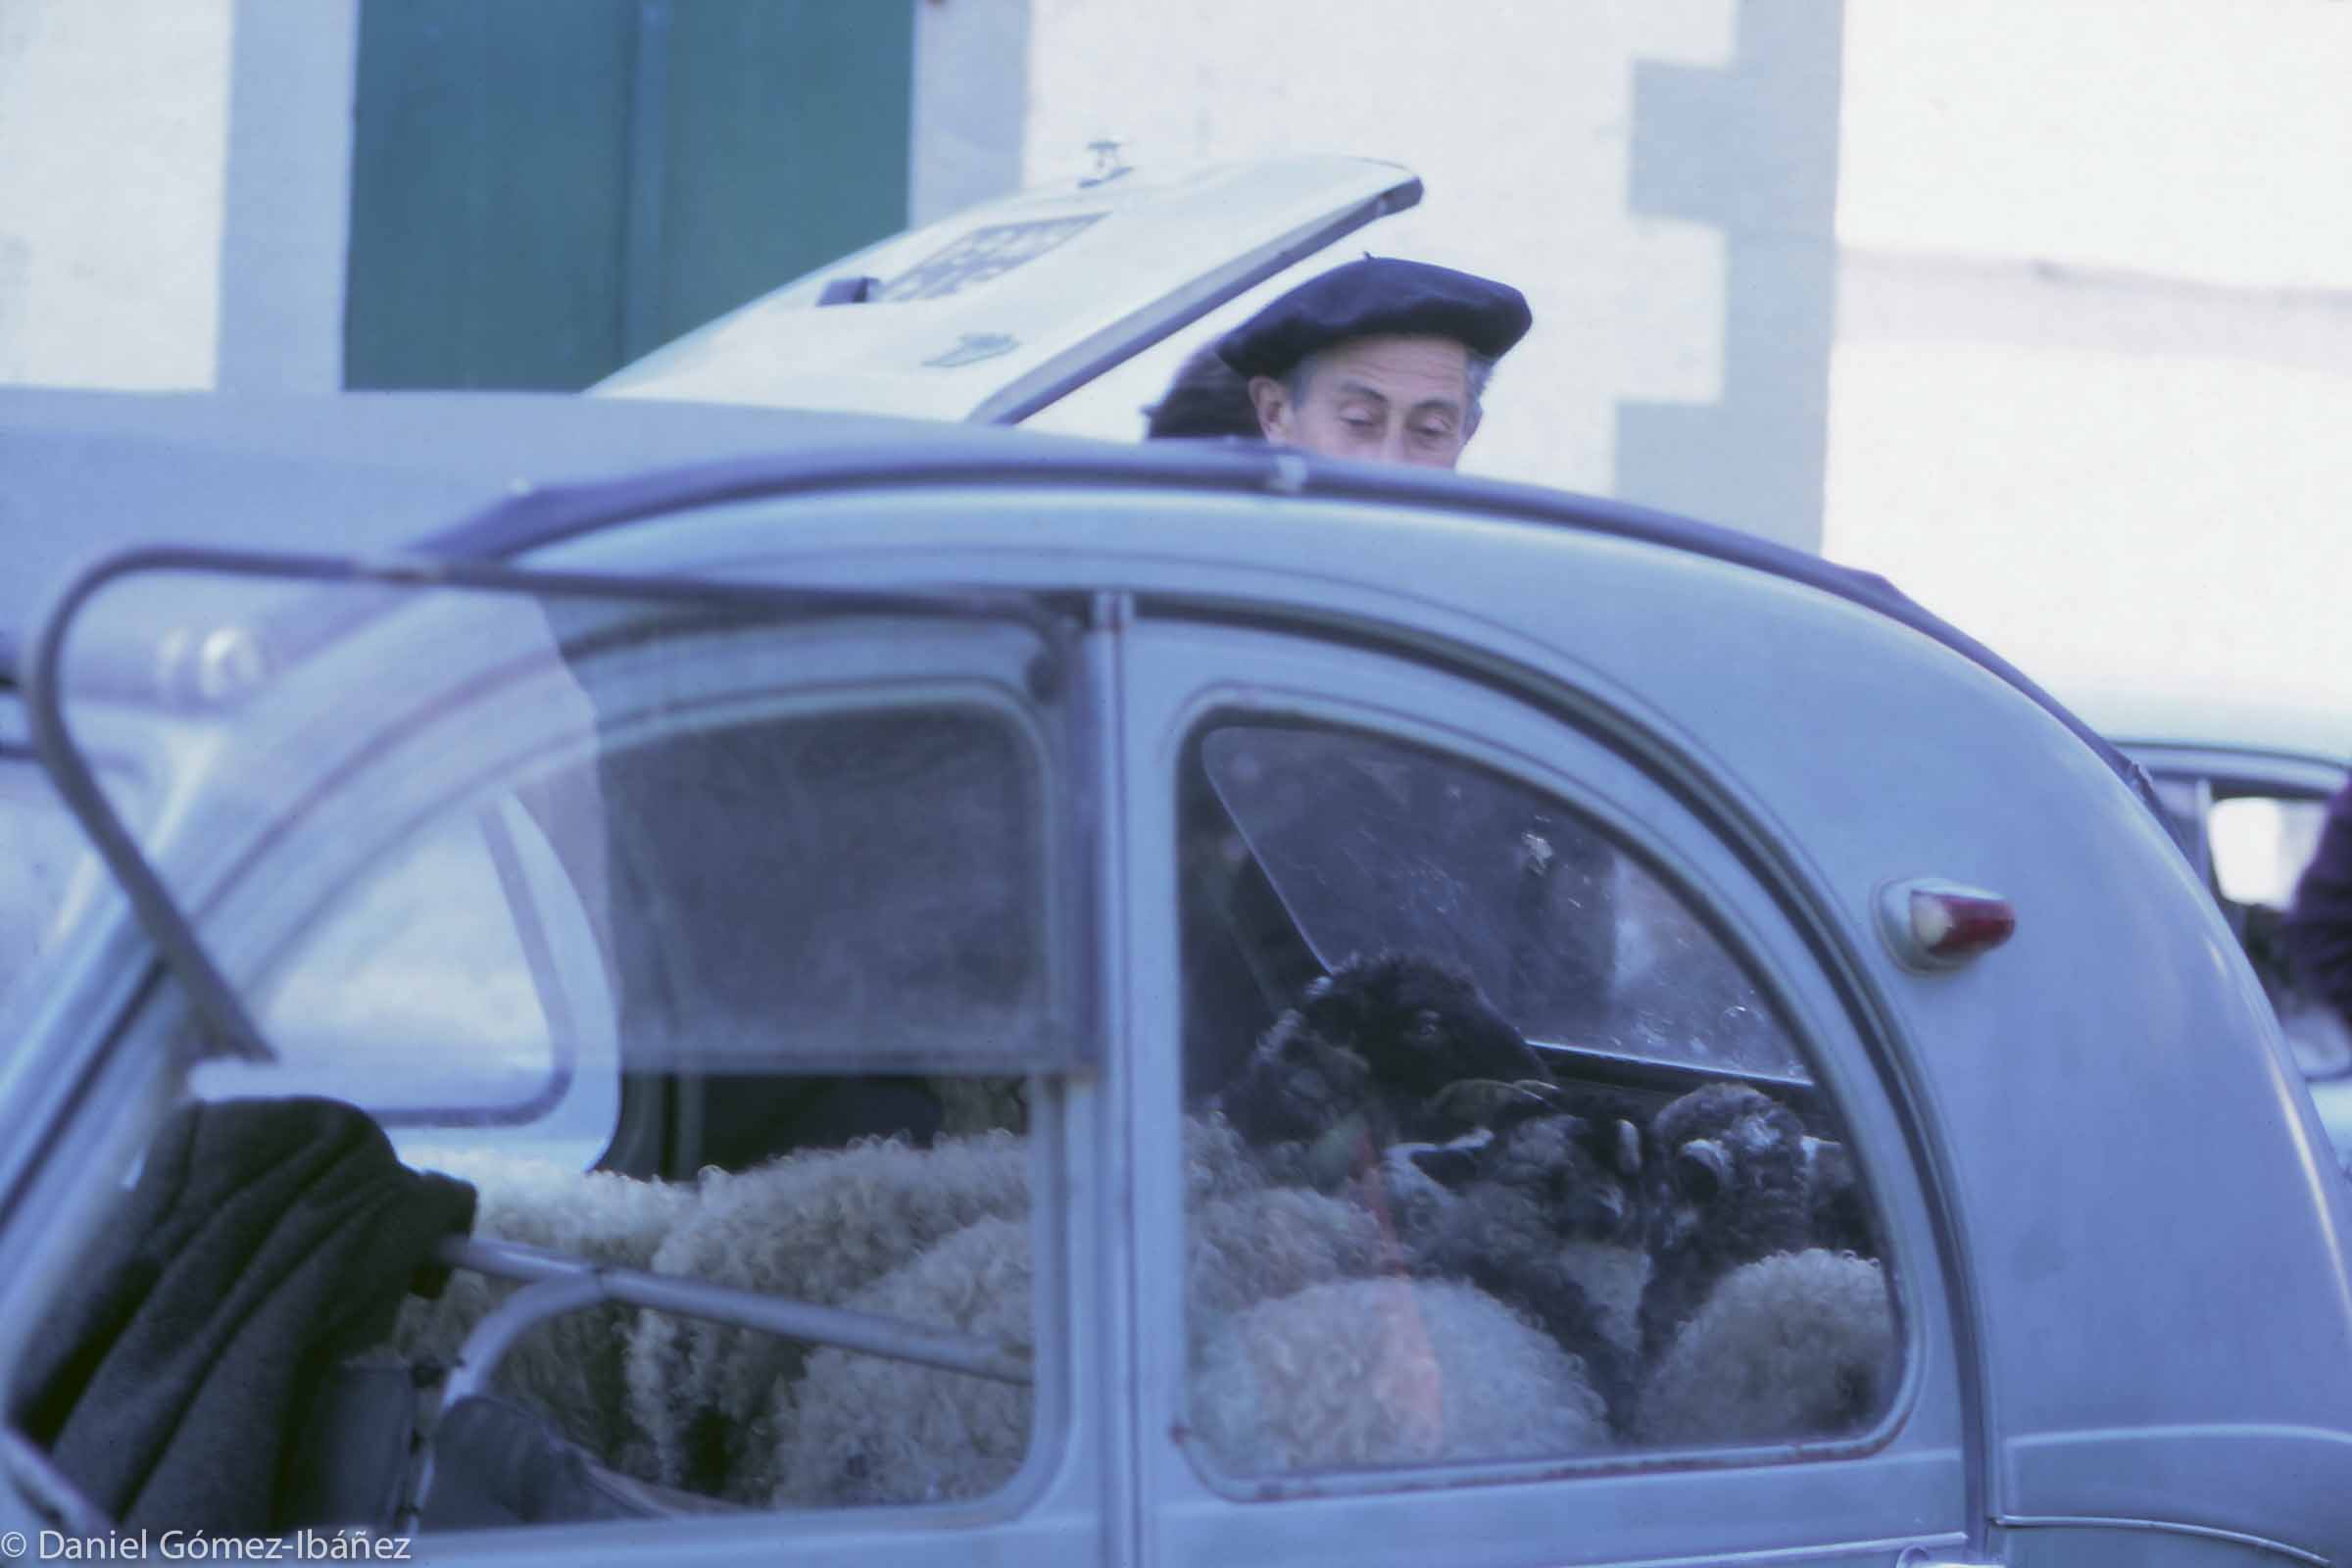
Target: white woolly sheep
{"type": "Point", "coordinates": [813, 1227]}
{"type": "Point", "coordinates": [860, 1429]}
{"type": "Point", "coordinates": [1799, 1345]}
{"type": "Point", "coordinates": [1385, 1372]}
{"type": "Point", "coordinates": [866, 1429]}
{"type": "Point", "coordinates": [570, 1367]}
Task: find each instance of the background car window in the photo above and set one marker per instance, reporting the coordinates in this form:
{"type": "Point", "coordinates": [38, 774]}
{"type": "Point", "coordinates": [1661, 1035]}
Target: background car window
{"type": "Point", "coordinates": [2258, 846]}
{"type": "Point", "coordinates": [2261, 845]}
{"type": "Point", "coordinates": [1523, 1165]}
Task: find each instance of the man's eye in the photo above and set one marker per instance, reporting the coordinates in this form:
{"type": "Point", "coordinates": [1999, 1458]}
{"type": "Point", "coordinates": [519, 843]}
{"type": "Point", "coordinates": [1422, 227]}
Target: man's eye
{"type": "Point", "coordinates": [1360, 425]}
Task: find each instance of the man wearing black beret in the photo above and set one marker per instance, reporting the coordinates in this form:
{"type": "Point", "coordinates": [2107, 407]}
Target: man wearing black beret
{"type": "Point", "coordinates": [1381, 360]}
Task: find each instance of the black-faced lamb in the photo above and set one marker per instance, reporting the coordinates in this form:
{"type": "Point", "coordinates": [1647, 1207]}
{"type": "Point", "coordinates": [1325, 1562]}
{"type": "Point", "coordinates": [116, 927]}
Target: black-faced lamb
{"type": "Point", "coordinates": [1544, 1214]}
{"type": "Point", "coordinates": [1728, 1185]}
{"type": "Point", "coordinates": [1355, 1065]}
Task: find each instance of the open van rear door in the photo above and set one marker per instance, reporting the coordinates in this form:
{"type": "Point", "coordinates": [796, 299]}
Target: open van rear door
{"type": "Point", "coordinates": [994, 314]}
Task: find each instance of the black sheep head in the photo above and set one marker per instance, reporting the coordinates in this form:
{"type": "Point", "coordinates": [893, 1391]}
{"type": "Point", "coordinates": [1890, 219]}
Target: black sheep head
{"type": "Point", "coordinates": [1517, 1195]}
{"type": "Point", "coordinates": [1728, 1184]}
{"type": "Point", "coordinates": [1419, 1024]}
{"type": "Point", "coordinates": [1731, 1176]}
{"type": "Point", "coordinates": [1355, 1065]}
{"type": "Point", "coordinates": [1584, 1174]}
{"type": "Point", "coordinates": [1297, 1086]}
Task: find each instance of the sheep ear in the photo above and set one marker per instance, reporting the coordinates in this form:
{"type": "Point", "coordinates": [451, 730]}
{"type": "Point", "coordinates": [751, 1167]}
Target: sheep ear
{"type": "Point", "coordinates": [1628, 1149]}
{"type": "Point", "coordinates": [1448, 1164]}
{"type": "Point", "coordinates": [1701, 1169]}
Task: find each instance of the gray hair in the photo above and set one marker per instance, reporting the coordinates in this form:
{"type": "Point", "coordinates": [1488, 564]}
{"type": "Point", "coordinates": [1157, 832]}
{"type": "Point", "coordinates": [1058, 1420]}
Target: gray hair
{"type": "Point", "coordinates": [1481, 371]}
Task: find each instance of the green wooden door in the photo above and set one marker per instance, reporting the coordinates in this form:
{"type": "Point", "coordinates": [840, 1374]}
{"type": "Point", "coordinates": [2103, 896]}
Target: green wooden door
{"type": "Point", "coordinates": [545, 189]}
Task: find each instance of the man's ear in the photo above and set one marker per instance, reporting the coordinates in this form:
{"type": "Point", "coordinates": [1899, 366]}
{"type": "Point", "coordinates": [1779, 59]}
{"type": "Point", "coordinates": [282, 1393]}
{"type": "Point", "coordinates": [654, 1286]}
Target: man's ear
{"type": "Point", "coordinates": [1272, 400]}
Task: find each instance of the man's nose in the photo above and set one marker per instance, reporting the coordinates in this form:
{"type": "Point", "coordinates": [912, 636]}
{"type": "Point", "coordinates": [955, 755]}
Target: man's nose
{"type": "Point", "coordinates": [1393, 445]}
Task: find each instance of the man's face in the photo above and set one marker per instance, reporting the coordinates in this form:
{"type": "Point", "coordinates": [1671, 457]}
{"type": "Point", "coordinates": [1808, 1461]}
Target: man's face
{"type": "Point", "coordinates": [1380, 399]}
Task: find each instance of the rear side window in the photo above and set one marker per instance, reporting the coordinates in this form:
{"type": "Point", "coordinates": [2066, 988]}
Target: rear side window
{"type": "Point", "coordinates": [1373, 846]}
{"type": "Point", "coordinates": [726, 953]}
{"type": "Point", "coordinates": [451, 987]}
{"type": "Point", "coordinates": [1501, 1153]}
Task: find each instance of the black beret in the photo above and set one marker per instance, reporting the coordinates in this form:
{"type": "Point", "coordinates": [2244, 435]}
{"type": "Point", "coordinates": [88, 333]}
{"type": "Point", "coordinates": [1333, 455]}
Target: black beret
{"type": "Point", "coordinates": [1377, 296]}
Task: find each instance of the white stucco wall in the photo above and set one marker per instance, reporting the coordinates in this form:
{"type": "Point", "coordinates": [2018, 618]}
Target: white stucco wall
{"type": "Point", "coordinates": [141, 143]}
{"type": "Point", "coordinates": [113, 122]}
{"type": "Point", "coordinates": [2095, 352]}
{"type": "Point", "coordinates": [971, 73]}
{"type": "Point", "coordinates": [1521, 120]}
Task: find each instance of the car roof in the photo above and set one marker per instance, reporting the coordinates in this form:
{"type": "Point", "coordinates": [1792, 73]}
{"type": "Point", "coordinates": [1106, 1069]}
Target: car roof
{"type": "Point", "coordinates": [492, 476]}
{"type": "Point", "coordinates": [89, 473]}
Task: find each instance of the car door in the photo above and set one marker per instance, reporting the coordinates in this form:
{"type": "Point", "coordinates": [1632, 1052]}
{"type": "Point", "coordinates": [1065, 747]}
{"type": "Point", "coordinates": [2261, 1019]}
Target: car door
{"type": "Point", "coordinates": [467, 844]}
{"type": "Point", "coordinates": [1297, 801]}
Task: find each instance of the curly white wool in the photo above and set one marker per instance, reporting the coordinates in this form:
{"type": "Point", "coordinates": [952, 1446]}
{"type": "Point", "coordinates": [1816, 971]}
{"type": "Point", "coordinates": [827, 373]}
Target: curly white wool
{"type": "Point", "coordinates": [861, 1429]}
{"type": "Point", "coordinates": [813, 1227]}
{"type": "Point", "coordinates": [1388, 1372]}
{"type": "Point", "coordinates": [1797, 1345]}
{"type": "Point", "coordinates": [571, 1368]}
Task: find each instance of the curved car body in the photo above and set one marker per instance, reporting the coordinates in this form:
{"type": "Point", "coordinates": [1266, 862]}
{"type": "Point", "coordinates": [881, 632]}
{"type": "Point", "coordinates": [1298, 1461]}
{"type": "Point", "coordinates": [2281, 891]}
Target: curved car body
{"type": "Point", "coordinates": [745, 753]}
{"type": "Point", "coordinates": [2246, 786]}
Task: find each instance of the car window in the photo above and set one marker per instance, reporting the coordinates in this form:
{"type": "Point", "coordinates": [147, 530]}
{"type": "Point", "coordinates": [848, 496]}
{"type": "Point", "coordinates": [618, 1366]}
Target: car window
{"type": "Point", "coordinates": [458, 998]}
{"type": "Point", "coordinates": [1505, 1154]}
{"type": "Point", "coordinates": [2259, 844]}
{"type": "Point", "coordinates": [1373, 846]}
{"type": "Point", "coordinates": [729, 951]}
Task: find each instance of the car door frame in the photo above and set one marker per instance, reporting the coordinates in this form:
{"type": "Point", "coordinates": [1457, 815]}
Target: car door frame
{"type": "Point", "coordinates": [1183, 661]}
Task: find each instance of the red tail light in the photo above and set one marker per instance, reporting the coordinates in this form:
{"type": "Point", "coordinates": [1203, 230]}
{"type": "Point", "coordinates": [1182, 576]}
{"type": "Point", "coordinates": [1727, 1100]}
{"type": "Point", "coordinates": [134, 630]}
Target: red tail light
{"type": "Point", "coordinates": [1931, 923]}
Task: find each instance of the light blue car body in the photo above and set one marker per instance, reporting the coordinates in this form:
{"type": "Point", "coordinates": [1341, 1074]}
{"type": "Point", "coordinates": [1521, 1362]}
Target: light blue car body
{"type": "Point", "coordinates": [2118, 1232]}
